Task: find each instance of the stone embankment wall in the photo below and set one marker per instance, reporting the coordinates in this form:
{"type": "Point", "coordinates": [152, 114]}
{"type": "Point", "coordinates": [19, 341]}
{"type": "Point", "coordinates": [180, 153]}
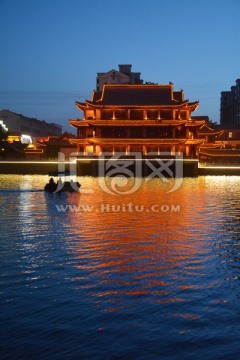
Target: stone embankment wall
{"type": "Point", "coordinates": [94, 168]}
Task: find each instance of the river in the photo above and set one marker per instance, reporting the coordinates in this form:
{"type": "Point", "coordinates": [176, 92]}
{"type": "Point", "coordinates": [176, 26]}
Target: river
{"type": "Point", "coordinates": [127, 269]}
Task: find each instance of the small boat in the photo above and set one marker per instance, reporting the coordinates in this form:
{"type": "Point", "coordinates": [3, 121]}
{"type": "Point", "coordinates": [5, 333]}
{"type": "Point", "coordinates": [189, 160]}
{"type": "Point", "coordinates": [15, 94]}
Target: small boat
{"type": "Point", "coordinates": [61, 186]}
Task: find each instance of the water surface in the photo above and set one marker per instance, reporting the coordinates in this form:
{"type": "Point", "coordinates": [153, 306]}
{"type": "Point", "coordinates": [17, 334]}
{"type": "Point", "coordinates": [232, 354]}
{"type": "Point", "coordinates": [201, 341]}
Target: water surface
{"type": "Point", "coordinates": [144, 275]}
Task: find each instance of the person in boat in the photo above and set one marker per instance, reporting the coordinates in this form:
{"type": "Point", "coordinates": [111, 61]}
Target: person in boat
{"type": "Point", "coordinates": [60, 184]}
{"type": "Point", "coordinates": [51, 185]}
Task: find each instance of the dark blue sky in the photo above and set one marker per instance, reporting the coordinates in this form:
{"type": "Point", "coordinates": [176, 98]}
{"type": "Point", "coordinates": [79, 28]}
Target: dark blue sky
{"type": "Point", "coordinates": [51, 50]}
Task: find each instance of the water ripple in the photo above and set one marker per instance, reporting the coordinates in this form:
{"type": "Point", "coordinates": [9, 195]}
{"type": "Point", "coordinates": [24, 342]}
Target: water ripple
{"type": "Point", "coordinates": [120, 284]}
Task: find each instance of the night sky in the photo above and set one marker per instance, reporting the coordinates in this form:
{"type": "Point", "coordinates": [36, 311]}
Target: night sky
{"type": "Point", "coordinates": [51, 50]}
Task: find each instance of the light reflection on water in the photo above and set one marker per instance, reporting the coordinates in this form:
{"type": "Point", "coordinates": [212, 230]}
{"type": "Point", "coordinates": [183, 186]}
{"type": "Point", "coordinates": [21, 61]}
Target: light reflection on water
{"type": "Point", "coordinates": [111, 280]}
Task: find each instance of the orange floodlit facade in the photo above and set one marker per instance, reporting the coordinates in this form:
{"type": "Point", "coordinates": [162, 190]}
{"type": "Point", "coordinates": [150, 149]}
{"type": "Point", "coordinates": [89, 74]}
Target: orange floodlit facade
{"type": "Point", "coordinates": [146, 118]}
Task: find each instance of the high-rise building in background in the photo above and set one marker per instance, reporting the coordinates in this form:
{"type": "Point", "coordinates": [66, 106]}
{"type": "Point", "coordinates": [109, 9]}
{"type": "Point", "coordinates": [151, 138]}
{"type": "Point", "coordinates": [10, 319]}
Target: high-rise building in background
{"type": "Point", "coordinates": [230, 107]}
{"type": "Point", "coordinates": [123, 76]}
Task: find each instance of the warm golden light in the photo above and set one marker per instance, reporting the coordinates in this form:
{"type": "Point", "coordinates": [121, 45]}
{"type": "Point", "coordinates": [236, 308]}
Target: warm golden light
{"type": "Point", "coordinates": [12, 138]}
